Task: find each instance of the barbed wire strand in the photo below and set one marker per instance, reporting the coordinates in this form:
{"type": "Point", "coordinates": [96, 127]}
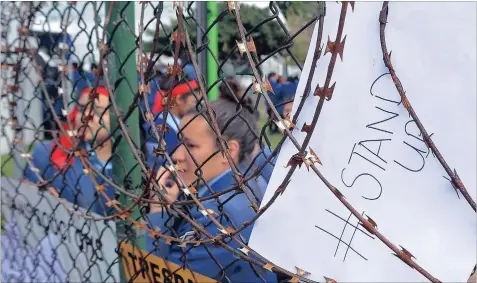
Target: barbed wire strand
{"type": "Point", "coordinates": [180, 37]}
{"type": "Point", "coordinates": [456, 181]}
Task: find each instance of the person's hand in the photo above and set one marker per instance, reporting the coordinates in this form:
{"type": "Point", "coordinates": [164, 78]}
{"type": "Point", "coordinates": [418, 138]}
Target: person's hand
{"type": "Point", "coordinates": [166, 181]}
{"type": "Point", "coordinates": [472, 278]}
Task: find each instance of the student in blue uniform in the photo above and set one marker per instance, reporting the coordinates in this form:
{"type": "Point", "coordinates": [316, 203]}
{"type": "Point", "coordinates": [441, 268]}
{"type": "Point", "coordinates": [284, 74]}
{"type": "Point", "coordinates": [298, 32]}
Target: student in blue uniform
{"type": "Point", "coordinates": [202, 155]}
{"type": "Point", "coordinates": [273, 79]}
{"type": "Point", "coordinates": [278, 95]}
{"type": "Point", "coordinates": [80, 78]}
{"type": "Point", "coordinates": [159, 75]}
{"type": "Point", "coordinates": [183, 94]}
{"type": "Point", "coordinates": [67, 175]}
{"type": "Point", "coordinates": [261, 154]}
{"type": "Point", "coordinates": [152, 94]}
{"type": "Point", "coordinates": [187, 66]}
{"type": "Point", "coordinates": [275, 82]}
{"type": "Point", "coordinates": [287, 93]}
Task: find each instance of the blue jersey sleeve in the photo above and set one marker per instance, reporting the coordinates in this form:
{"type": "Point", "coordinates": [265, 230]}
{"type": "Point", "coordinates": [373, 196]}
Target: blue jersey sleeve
{"type": "Point", "coordinates": [231, 213]}
{"type": "Point", "coordinates": [41, 161]}
{"type": "Point", "coordinates": [73, 184]}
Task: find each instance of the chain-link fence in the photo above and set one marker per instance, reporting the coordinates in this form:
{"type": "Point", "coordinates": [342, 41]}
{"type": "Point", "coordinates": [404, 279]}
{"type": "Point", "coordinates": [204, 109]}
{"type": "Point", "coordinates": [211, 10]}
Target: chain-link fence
{"type": "Point", "coordinates": [140, 137]}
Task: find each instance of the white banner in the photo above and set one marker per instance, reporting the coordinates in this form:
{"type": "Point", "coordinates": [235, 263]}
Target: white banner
{"type": "Point", "coordinates": [373, 153]}
{"type": "Point", "coordinates": [60, 245]}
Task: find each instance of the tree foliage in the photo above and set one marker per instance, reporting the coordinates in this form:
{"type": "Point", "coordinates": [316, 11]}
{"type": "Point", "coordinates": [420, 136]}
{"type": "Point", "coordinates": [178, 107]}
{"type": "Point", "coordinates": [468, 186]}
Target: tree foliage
{"type": "Point", "coordinates": [268, 37]}
{"type": "Point", "coordinates": [297, 14]}
{"type": "Point", "coordinates": [304, 9]}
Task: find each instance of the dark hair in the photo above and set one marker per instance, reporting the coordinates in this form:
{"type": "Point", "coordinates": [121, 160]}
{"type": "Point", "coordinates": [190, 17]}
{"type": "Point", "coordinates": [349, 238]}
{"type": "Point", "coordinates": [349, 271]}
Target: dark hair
{"type": "Point", "coordinates": [293, 79]}
{"type": "Point", "coordinates": [231, 90]}
{"type": "Point", "coordinates": [165, 85]}
{"type": "Point", "coordinates": [271, 74]}
{"type": "Point", "coordinates": [230, 84]}
{"type": "Point", "coordinates": [236, 121]}
{"type": "Point", "coordinates": [184, 57]}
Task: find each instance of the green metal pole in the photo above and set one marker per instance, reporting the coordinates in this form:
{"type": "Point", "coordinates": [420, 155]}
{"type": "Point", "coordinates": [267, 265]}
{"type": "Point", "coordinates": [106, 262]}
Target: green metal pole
{"type": "Point", "coordinates": [125, 167]}
{"type": "Point", "coordinates": [213, 35]}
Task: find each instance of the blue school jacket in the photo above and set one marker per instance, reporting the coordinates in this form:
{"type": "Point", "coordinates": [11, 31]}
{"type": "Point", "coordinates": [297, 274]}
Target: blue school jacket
{"type": "Point", "coordinates": [198, 258]}
{"type": "Point", "coordinates": [273, 97]}
{"type": "Point", "coordinates": [260, 159]}
{"type": "Point", "coordinates": [82, 81]}
{"type": "Point", "coordinates": [170, 138]}
{"type": "Point", "coordinates": [73, 185]}
{"type": "Point", "coordinates": [190, 72]}
{"type": "Point", "coordinates": [287, 92]}
{"type": "Point", "coordinates": [151, 97]}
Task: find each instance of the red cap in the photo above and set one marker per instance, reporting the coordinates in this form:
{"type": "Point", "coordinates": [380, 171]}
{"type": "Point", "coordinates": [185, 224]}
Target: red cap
{"type": "Point", "coordinates": [59, 156]}
{"type": "Point", "coordinates": [180, 89]}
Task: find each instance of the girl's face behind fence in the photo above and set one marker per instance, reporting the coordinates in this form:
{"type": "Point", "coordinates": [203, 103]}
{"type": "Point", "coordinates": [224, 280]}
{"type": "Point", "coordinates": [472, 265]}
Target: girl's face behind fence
{"type": "Point", "coordinates": [97, 129]}
{"type": "Point", "coordinates": [184, 103]}
{"type": "Point", "coordinates": [201, 142]}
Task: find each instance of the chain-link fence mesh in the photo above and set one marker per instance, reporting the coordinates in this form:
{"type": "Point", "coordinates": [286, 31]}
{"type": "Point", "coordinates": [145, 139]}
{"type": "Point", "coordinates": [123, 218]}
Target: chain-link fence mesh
{"type": "Point", "coordinates": [140, 137]}
{"type": "Point", "coordinates": [123, 150]}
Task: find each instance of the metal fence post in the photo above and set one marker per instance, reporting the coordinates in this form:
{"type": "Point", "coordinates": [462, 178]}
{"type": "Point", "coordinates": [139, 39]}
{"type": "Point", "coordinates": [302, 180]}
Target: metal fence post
{"type": "Point", "coordinates": [212, 66]}
{"type": "Point", "coordinates": [122, 67]}
{"type": "Point", "coordinates": [201, 11]}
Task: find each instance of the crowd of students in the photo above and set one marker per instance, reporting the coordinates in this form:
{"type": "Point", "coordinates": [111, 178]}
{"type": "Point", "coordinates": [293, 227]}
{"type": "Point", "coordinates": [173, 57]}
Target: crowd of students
{"type": "Point", "coordinates": [192, 143]}
{"type": "Point", "coordinates": [283, 97]}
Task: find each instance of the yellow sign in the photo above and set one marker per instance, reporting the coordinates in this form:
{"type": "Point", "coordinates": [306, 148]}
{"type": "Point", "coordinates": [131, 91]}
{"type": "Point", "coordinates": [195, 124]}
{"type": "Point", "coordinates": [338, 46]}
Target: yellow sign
{"type": "Point", "coordinates": [140, 266]}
